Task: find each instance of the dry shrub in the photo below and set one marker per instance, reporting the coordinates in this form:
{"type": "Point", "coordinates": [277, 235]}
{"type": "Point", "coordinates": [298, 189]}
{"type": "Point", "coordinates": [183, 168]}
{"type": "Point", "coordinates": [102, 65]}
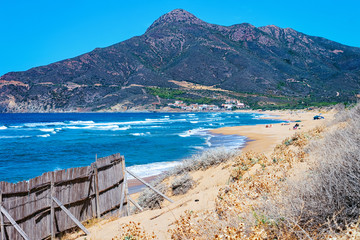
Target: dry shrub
{"type": "Point", "coordinates": [206, 225]}
{"type": "Point", "coordinates": [182, 184]}
{"type": "Point", "coordinates": [347, 114]}
{"type": "Point", "coordinates": [133, 231]}
{"type": "Point", "coordinates": [244, 162]}
{"type": "Point", "coordinates": [150, 199]}
{"type": "Point", "coordinates": [204, 160]}
{"type": "Point", "coordinates": [331, 190]}
{"type": "Point", "coordinates": [249, 208]}
{"type": "Point", "coordinates": [215, 156]}
{"type": "Point", "coordinates": [326, 200]}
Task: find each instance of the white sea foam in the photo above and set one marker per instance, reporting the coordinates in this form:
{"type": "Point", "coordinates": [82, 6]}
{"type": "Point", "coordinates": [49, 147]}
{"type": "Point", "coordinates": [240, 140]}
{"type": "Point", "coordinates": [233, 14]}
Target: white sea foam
{"type": "Point", "coordinates": [9, 137]}
{"type": "Point", "coordinates": [47, 129]}
{"type": "Point", "coordinates": [81, 122]}
{"type": "Point", "coordinates": [44, 136]}
{"type": "Point", "coordinates": [198, 147]}
{"type": "Point", "coordinates": [152, 169]}
{"type": "Point", "coordinates": [140, 134]}
{"type": "Point", "coordinates": [3, 127]}
{"type": "Point", "coordinates": [77, 127]}
{"type": "Point", "coordinates": [124, 128]}
{"type": "Point", "coordinates": [194, 121]}
{"type": "Point", "coordinates": [43, 124]}
{"type": "Point", "coordinates": [208, 141]}
{"type": "Point", "coordinates": [196, 131]}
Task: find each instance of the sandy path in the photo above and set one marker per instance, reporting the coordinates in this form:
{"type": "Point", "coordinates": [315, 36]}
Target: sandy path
{"type": "Point", "coordinates": [202, 197]}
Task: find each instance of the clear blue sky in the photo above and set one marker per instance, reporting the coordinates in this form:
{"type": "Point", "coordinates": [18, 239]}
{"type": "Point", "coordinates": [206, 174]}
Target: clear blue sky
{"type": "Point", "coordinates": [39, 32]}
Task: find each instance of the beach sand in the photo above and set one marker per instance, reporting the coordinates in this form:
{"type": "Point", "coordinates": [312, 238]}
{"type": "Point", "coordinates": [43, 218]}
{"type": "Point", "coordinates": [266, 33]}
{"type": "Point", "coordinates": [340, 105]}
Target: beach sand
{"type": "Point", "coordinates": [202, 197]}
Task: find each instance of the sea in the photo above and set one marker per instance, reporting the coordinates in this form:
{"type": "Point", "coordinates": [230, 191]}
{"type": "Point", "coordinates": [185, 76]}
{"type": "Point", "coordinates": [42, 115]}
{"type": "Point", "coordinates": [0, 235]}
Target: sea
{"type": "Point", "coordinates": [34, 143]}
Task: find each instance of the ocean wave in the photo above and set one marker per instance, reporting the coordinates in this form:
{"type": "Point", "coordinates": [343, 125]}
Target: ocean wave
{"type": "Point", "coordinates": [207, 142]}
{"type": "Point", "coordinates": [194, 122]}
{"type": "Point", "coordinates": [152, 169]}
{"type": "Point", "coordinates": [32, 125]}
{"type": "Point", "coordinates": [81, 122]}
{"type": "Point", "coordinates": [47, 130]}
{"type": "Point", "coordinates": [196, 131]}
{"type": "Point", "coordinates": [198, 147]}
{"type": "Point", "coordinates": [44, 136]}
{"type": "Point", "coordinates": [3, 127]}
{"type": "Point", "coordinates": [9, 137]}
{"type": "Point", "coordinates": [140, 134]}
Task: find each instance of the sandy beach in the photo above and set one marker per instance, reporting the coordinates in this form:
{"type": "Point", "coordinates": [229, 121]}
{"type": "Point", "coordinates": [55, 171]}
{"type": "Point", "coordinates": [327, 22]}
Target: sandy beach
{"type": "Point", "coordinates": [261, 138]}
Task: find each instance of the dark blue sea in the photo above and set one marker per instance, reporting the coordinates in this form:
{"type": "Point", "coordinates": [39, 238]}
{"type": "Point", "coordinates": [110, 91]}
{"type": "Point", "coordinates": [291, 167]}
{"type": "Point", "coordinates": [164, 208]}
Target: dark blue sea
{"type": "Point", "coordinates": [31, 144]}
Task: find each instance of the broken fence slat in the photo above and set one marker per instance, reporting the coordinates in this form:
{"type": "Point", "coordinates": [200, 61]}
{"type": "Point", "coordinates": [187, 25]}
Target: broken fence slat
{"type": "Point", "coordinates": [13, 222]}
{"type": "Point", "coordinates": [71, 216]}
{"type": "Point", "coordinates": [135, 203]}
{"type": "Point", "coordinates": [148, 185]}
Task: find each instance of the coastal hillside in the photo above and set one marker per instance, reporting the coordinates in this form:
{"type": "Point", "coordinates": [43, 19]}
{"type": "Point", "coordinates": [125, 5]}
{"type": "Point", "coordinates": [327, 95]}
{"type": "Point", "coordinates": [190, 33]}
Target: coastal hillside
{"type": "Point", "coordinates": [258, 65]}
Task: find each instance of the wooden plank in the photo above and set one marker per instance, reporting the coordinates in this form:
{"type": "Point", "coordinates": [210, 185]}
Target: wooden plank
{"type": "Point", "coordinates": [126, 190]}
{"type": "Point", "coordinates": [135, 203]}
{"type": "Point", "coordinates": [122, 197]}
{"type": "Point", "coordinates": [12, 221]}
{"type": "Point", "coordinates": [2, 220]}
{"type": "Point", "coordinates": [52, 211]}
{"type": "Point", "coordinates": [122, 189]}
{"type": "Point", "coordinates": [70, 215]}
{"type": "Point", "coordinates": [148, 185]}
{"type": "Point", "coordinates": [97, 195]}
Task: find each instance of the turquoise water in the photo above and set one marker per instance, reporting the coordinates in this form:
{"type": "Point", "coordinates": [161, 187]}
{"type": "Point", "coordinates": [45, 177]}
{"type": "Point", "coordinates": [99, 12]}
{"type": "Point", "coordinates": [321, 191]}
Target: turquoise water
{"type": "Point", "coordinates": [31, 144]}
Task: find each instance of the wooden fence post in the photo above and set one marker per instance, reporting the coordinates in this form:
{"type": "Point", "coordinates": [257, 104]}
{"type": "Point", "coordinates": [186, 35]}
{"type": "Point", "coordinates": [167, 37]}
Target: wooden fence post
{"type": "Point", "coordinates": [13, 222]}
{"type": "Point", "coordinates": [2, 219]}
{"type": "Point", "coordinates": [127, 194]}
{"type": "Point", "coordinates": [135, 203]}
{"type": "Point", "coordinates": [123, 186]}
{"type": "Point", "coordinates": [70, 215]}
{"type": "Point", "coordinates": [52, 209]}
{"type": "Point", "coordinates": [97, 195]}
{"type": "Point", "coordinates": [149, 186]}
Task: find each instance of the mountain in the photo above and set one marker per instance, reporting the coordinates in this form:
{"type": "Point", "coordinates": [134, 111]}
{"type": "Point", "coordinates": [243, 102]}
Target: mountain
{"type": "Point", "coordinates": [259, 65]}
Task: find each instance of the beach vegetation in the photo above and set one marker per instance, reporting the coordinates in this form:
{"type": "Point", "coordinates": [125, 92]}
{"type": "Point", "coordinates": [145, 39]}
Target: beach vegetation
{"type": "Point", "coordinates": [134, 231]}
{"type": "Point", "coordinates": [308, 188]}
{"type": "Point", "coordinates": [182, 184]}
{"type": "Point", "coordinates": [151, 200]}
{"type": "Point", "coordinates": [183, 181]}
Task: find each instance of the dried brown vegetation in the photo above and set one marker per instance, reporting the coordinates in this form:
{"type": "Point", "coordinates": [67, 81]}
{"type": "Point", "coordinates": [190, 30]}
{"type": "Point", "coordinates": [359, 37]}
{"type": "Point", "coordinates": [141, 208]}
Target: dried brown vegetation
{"type": "Point", "coordinates": [308, 188]}
{"type": "Point", "coordinates": [183, 181]}
{"type": "Point", "coordinates": [133, 231]}
{"type": "Point", "coordinates": [182, 184]}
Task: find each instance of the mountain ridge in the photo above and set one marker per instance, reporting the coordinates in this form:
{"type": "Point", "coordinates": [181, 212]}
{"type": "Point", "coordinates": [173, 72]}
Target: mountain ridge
{"type": "Point", "coordinates": [269, 61]}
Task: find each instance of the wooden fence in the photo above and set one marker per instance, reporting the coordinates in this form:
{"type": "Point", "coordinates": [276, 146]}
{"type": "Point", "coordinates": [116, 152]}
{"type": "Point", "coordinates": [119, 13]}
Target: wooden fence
{"type": "Point", "coordinates": [39, 206]}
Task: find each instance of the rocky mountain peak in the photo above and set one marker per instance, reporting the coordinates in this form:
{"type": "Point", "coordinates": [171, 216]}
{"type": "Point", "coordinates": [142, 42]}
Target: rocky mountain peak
{"type": "Point", "coordinates": [177, 15]}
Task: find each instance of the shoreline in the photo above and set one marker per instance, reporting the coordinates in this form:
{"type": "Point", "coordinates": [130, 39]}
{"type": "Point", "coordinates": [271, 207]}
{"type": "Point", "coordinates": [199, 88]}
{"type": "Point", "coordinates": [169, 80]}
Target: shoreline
{"type": "Point", "coordinates": [135, 186]}
{"type": "Point", "coordinates": [260, 138]}
{"type": "Point", "coordinates": [202, 197]}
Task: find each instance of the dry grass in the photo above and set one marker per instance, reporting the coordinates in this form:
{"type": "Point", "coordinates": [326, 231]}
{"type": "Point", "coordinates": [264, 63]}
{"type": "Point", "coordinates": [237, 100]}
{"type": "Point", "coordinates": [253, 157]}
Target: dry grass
{"type": "Point", "coordinates": [133, 231]}
{"type": "Point", "coordinates": [268, 201]}
{"type": "Point", "coordinates": [182, 184]}
{"type": "Point", "coordinates": [328, 197]}
{"type": "Point", "coordinates": [150, 199]}
{"type": "Point", "coordinates": [204, 160]}
{"type": "Point", "coordinates": [308, 188]}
